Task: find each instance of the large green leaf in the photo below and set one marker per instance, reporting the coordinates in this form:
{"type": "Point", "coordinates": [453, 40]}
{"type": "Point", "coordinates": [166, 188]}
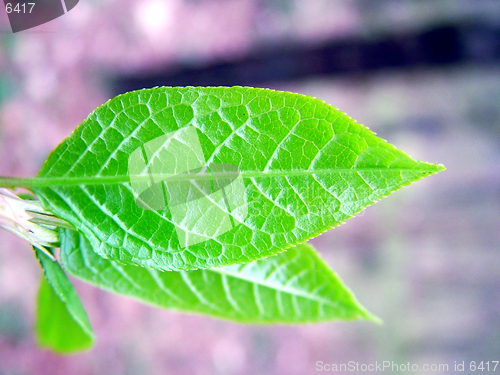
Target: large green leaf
{"type": "Point", "coordinates": [302, 167]}
{"type": "Point", "coordinates": [293, 287]}
{"type": "Point", "coordinates": [62, 323]}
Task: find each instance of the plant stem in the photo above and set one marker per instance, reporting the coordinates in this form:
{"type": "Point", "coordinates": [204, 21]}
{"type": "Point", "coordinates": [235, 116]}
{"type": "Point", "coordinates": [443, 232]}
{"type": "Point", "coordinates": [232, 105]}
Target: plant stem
{"type": "Point", "coordinates": [14, 182]}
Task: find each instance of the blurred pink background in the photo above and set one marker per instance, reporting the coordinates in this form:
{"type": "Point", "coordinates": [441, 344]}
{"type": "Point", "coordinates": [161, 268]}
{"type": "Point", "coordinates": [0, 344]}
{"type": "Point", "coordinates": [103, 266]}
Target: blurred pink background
{"type": "Point", "coordinates": [426, 260]}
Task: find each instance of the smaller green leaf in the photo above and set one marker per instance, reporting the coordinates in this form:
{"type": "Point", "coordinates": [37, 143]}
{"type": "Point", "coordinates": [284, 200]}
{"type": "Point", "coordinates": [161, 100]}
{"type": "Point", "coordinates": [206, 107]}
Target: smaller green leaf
{"type": "Point", "coordinates": [295, 286]}
{"type": "Point", "coordinates": [62, 323]}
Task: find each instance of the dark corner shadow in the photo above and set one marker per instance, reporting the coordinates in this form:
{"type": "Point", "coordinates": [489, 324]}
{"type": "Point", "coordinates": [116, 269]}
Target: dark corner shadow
{"type": "Point", "coordinates": [26, 14]}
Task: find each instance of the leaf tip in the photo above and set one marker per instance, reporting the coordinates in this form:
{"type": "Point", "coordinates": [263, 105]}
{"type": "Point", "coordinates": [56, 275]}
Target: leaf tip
{"type": "Point", "coordinates": [428, 169]}
{"type": "Point", "coordinates": [364, 314]}
{"type": "Point", "coordinates": [374, 319]}
{"type": "Point", "coordinates": [440, 167]}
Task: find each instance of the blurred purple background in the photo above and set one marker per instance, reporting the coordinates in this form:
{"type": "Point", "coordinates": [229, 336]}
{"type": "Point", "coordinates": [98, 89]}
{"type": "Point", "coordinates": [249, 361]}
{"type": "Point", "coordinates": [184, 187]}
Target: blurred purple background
{"type": "Point", "coordinates": [426, 260]}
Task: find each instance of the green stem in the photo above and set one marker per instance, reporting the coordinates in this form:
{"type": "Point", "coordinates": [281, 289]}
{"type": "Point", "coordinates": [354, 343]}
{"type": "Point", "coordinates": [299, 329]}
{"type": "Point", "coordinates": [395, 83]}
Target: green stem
{"type": "Point", "coordinates": [15, 182]}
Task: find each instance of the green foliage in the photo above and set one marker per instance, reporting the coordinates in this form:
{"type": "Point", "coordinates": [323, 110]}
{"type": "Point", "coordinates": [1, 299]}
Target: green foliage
{"type": "Point", "coordinates": [219, 187]}
{"type": "Point", "coordinates": [306, 167]}
{"type": "Point", "coordinates": [292, 287]}
{"type": "Point", "coordinates": [62, 323]}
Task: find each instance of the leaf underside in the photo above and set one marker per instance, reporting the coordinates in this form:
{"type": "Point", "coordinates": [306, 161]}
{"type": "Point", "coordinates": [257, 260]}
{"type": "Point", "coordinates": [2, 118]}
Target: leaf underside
{"type": "Point", "coordinates": [305, 167]}
{"type": "Point", "coordinates": [292, 287]}
{"type": "Point", "coordinates": [62, 323]}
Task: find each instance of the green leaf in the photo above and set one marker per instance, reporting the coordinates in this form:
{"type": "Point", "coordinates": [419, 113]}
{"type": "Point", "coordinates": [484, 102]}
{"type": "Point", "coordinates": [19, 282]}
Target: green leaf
{"type": "Point", "coordinates": [293, 287]}
{"type": "Point", "coordinates": [62, 323]}
{"type": "Point", "coordinates": [188, 178]}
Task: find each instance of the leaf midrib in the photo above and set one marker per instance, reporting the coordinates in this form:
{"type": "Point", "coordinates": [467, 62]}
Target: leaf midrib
{"type": "Point", "coordinates": [223, 271]}
{"type": "Point", "coordinates": [116, 180]}
{"type": "Point", "coordinates": [273, 286]}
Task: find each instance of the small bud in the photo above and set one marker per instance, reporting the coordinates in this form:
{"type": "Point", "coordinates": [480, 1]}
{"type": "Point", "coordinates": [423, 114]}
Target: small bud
{"type": "Point", "coordinates": [16, 217]}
